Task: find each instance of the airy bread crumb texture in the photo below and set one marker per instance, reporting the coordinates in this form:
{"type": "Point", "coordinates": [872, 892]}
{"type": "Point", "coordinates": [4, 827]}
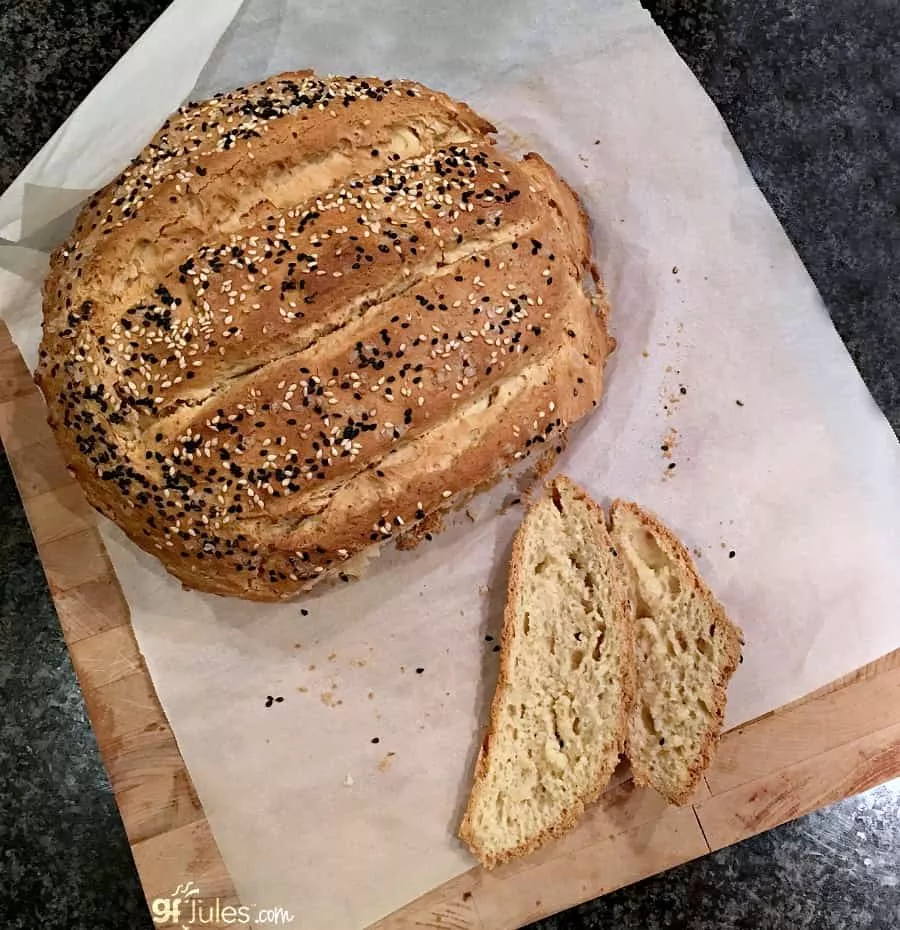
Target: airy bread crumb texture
{"type": "Point", "coordinates": [686, 652]}
{"type": "Point", "coordinates": [558, 715]}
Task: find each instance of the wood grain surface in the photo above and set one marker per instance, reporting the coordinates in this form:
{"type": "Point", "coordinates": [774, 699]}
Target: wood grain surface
{"type": "Point", "coordinates": [836, 742]}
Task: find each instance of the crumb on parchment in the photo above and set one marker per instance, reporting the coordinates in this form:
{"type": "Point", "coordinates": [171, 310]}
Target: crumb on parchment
{"type": "Point", "coordinates": [669, 443]}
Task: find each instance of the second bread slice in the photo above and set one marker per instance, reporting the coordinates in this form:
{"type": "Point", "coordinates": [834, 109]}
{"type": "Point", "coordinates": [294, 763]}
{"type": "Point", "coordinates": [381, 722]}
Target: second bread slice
{"type": "Point", "coordinates": [686, 652]}
{"type": "Point", "coordinates": [558, 716]}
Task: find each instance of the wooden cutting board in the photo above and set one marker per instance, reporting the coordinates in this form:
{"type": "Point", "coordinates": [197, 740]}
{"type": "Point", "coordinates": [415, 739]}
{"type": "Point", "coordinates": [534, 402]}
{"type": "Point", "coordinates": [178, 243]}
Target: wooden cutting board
{"type": "Point", "coordinates": [843, 739]}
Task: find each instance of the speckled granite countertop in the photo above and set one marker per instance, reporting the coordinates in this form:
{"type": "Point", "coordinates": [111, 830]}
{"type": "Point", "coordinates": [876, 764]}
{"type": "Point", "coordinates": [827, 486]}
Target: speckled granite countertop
{"type": "Point", "coordinates": [810, 91]}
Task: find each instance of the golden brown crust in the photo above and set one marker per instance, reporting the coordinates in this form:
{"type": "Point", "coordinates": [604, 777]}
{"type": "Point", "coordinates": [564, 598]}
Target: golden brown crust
{"type": "Point", "coordinates": [728, 630]}
{"type": "Point", "coordinates": [258, 333]}
{"type": "Point", "coordinates": [245, 139]}
{"type": "Point", "coordinates": [622, 609]}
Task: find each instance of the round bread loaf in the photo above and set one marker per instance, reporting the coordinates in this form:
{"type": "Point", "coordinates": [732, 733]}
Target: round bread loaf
{"type": "Point", "coordinates": [310, 314]}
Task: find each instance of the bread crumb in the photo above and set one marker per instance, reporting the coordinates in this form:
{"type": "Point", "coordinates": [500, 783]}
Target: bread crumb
{"type": "Point", "coordinates": [327, 698]}
{"type": "Point", "coordinates": [423, 530]}
{"type": "Point", "coordinates": [332, 656]}
{"type": "Point", "coordinates": [348, 780]}
{"type": "Point", "coordinates": [312, 668]}
{"type": "Point", "coordinates": [385, 763]}
{"type": "Point", "coordinates": [669, 443]}
{"type": "Point", "coordinates": [302, 689]}
{"type": "Point", "coordinates": [360, 663]}
{"type": "Point", "coordinates": [645, 354]}
{"type": "Point", "coordinates": [371, 695]}
{"type": "Point", "coordinates": [484, 590]}
{"type": "Point", "coordinates": [298, 645]}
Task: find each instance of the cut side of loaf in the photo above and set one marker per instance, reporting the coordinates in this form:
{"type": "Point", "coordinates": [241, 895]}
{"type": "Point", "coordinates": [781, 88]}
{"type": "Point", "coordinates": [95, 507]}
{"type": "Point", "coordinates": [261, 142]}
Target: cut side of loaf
{"type": "Point", "coordinates": [558, 718]}
{"type": "Point", "coordinates": [686, 652]}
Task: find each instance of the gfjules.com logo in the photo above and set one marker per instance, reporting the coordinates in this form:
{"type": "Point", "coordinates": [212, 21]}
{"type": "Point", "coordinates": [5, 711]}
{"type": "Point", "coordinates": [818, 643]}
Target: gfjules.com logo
{"type": "Point", "coordinates": [185, 908]}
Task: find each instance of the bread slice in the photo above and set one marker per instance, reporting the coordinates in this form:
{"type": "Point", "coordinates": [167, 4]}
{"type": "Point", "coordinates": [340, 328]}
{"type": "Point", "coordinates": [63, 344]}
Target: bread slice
{"type": "Point", "coordinates": [559, 712]}
{"type": "Point", "coordinates": [686, 652]}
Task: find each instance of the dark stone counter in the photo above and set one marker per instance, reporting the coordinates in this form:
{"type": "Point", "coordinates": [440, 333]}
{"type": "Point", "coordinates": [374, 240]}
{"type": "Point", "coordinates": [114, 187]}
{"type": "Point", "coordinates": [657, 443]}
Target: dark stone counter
{"type": "Point", "coordinates": [810, 91]}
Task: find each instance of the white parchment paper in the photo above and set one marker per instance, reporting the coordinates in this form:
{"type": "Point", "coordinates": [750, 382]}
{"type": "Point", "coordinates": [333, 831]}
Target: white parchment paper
{"type": "Point", "coordinates": [726, 357]}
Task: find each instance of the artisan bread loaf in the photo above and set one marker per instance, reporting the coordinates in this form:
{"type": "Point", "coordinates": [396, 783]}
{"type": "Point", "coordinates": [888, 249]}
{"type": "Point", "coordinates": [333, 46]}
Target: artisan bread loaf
{"type": "Point", "coordinates": [686, 652]}
{"type": "Point", "coordinates": [310, 314]}
{"type": "Point", "coordinates": [558, 717]}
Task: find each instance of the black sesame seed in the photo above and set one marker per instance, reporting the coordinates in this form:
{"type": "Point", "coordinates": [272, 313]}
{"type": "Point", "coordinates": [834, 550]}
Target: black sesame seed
{"type": "Point", "coordinates": [731, 554]}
